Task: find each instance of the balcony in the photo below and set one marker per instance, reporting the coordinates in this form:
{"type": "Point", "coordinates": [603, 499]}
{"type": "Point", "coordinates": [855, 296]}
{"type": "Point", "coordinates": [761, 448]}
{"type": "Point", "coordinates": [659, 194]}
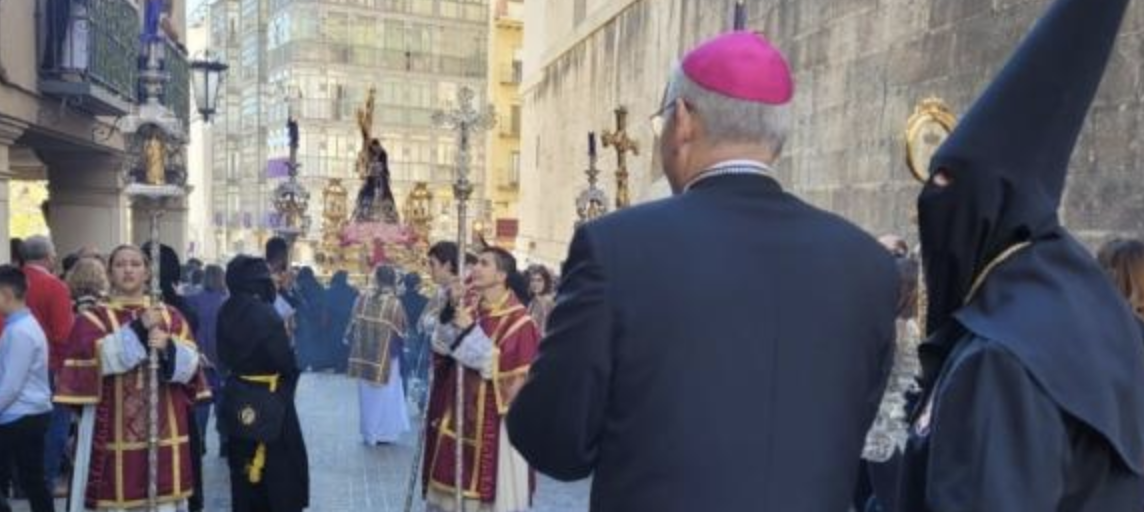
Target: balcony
{"type": "Point", "coordinates": [510, 10]}
{"type": "Point", "coordinates": [90, 54]}
{"type": "Point", "coordinates": [508, 180]}
{"type": "Point", "coordinates": [512, 74]}
{"type": "Point", "coordinates": [178, 93]}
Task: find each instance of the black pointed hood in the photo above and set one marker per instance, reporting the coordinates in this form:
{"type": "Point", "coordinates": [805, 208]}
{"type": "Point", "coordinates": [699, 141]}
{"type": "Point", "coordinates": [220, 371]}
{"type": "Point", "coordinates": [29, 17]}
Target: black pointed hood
{"type": "Point", "coordinates": [1026, 124]}
{"type": "Point", "coordinates": [1008, 158]}
{"type": "Point", "coordinates": [997, 183]}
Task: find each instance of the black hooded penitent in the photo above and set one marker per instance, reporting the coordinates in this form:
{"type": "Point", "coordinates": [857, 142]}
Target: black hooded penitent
{"type": "Point", "coordinates": [1048, 303]}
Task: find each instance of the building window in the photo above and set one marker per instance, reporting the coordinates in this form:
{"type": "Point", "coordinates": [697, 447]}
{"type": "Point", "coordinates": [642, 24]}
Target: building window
{"type": "Point", "coordinates": [515, 121]}
{"type": "Point", "coordinates": [514, 169]}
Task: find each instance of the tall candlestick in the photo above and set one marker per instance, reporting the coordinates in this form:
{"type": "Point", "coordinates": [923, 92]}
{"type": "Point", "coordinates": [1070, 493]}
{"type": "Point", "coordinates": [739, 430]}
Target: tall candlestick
{"type": "Point", "coordinates": [740, 19]}
{"type": "Point", "coordinates": [592, 144]}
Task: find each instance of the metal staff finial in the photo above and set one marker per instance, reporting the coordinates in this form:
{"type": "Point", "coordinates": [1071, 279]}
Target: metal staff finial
{"type": "Point", "coordinates": [593, 201]}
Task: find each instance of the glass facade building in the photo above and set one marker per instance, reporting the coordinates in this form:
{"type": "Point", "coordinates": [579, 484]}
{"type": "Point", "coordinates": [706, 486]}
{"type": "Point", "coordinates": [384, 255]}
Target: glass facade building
{"type": "Point", "coordinates": [318, 60]}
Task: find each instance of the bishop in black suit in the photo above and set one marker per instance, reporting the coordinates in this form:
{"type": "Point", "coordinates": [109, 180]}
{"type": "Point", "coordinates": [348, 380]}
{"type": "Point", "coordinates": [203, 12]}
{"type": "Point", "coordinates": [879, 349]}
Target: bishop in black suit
{"type": "Point", "coordinates": [724, 349]}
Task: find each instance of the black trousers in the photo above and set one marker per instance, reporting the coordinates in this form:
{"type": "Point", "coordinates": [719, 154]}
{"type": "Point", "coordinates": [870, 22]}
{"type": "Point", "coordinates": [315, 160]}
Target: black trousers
{"type": "Point", "coordinates": [22, 445]}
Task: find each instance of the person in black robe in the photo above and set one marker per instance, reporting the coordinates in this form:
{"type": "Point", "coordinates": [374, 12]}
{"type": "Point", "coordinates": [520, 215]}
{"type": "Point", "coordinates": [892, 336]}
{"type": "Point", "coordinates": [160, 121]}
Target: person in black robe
{"type": "Point", "coordinates": [252, 342]}
{"type": "Point", "coordinates": [725, 349]}
{"type": "Point", "coordinates": [416, 348]}
{"type": "Point", "coordinates": [311, 314]}
{"type": "Point", "coordinates": [1033, 372]}
{"type": "Point", "coordinates": [340, 300]}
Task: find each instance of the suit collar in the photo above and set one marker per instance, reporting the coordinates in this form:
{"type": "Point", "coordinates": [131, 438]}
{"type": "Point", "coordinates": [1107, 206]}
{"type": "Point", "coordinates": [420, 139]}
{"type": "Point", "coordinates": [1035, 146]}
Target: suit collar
{"type": "Point", "coordinates": [736, 182]}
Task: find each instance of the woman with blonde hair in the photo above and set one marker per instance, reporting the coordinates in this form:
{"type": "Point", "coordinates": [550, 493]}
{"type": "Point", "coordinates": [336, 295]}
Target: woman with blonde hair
{"type": "Point", "coordinates": [87, 280]}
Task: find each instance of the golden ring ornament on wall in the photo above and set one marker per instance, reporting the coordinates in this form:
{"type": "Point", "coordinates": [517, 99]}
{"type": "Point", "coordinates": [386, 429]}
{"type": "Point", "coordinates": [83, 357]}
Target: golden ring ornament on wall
{"type": "Point", "coordinates": [926, 130]}
{"type": "Point", "coordinates": [247, 416]}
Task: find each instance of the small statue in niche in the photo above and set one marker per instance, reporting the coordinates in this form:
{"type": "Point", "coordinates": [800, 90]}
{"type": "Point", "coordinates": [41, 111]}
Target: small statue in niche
{"type": "Point", "coordinates": [154, 164]}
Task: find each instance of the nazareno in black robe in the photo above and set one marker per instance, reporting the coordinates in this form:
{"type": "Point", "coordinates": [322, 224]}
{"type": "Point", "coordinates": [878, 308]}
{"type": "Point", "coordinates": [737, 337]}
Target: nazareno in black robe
{"type": "Point", "coordinates": [1033, 374]}
{"type": "Point", "coordinates": [252, 340]}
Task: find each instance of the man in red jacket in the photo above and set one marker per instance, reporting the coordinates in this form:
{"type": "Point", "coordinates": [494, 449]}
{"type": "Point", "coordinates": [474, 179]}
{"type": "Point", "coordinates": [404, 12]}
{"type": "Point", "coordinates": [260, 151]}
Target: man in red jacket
{"type": "Point", "coordinates": [50, 301]}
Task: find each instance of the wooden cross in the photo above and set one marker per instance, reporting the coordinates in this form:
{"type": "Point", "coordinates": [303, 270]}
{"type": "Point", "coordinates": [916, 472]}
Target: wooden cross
{"type": "Point", "coordinates": [623, 145]}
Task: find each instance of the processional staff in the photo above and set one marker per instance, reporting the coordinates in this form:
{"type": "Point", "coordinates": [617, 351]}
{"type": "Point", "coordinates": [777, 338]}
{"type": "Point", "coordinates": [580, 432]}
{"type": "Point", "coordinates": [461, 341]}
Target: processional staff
{"type": "Point", "coordinates": [466, 121]}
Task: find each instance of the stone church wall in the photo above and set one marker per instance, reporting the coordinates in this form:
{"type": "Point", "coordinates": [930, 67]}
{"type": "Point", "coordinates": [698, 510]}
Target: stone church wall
{"type": "Point", "coordinates": [861, 67]}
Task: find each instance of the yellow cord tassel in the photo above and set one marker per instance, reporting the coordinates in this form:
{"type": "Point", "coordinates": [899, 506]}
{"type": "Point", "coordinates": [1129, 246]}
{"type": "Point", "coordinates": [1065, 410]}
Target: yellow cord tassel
{"type": "Point", "coordinates": [254, 469]}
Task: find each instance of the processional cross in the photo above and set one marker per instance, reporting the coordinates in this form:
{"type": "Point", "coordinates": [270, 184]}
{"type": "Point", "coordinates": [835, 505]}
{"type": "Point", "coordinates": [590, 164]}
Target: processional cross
{"type": "Point", "coordinates": [466, 121]}
{"type": "Point", "coordinates": [623, 145]}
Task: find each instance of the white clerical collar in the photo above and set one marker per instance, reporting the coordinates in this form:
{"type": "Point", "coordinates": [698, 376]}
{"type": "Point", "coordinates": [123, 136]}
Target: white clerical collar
{"type": "Point", "coordinates": [732, 167]}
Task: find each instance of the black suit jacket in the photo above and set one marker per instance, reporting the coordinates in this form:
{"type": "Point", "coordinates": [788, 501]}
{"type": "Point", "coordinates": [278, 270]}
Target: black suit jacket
{"type": "Point", "coordinates": [722, 350]}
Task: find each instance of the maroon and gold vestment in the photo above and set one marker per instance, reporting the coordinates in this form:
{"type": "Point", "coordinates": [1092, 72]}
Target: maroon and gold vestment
{"type": "Point", "coordinates": [487, 395]}
{"type": "Point", "coordinates": [118, 471]}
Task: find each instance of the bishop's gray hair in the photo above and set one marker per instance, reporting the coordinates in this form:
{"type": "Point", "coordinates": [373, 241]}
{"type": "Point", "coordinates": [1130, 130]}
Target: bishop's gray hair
{"type": "Point", "coordinates": [727, 119]}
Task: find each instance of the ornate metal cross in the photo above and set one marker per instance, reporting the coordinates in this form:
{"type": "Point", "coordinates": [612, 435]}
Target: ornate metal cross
{"type": "Point", "coordinates": [623, 145]}
{"type": "Point", "coordinates": [465, 120]}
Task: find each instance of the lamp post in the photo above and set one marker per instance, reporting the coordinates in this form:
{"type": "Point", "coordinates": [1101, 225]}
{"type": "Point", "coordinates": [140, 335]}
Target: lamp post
{"type": "Point", "coordinates": [207, 72]}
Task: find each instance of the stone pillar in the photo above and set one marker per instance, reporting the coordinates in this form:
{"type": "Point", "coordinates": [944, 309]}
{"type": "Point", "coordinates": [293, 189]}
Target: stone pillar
{"type": "Point", "coordinates": [5, 206]}
{"type": "Point", "coordinates": [9, 131]}
{"type": "Point", "coordinates": [172, 224]}
{"type": "Point", "coordinates": [87, 205]}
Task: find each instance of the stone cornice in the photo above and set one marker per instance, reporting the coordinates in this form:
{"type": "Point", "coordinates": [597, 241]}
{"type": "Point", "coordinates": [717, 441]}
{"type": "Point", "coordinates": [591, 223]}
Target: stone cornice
{"type": "Point", "coordinates": [11, 129]}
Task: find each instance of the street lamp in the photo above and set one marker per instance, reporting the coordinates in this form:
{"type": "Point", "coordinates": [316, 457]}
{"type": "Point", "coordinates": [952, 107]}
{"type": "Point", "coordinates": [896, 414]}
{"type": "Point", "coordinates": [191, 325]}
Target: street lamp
{"type": "Point", "coordinates": [207, 71]}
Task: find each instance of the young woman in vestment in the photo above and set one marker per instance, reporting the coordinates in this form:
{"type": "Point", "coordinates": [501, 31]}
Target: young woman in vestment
{"type": "Point", "coordinates": [106, 373]}
{"type": "Point", "coordinates": [496, 344]}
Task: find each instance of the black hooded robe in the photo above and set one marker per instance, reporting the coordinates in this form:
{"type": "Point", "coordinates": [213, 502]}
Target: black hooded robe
{"type": "Point", "coordinates": [996, 441]}
{"type": "Point", "coordinates": [252, 340]}
{"type": "Point", "coordinates": [1033, 374]}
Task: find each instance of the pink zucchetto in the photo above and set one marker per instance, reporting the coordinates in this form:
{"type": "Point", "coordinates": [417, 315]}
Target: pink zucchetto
{"type": "Point", "coordinates": [741, 65]}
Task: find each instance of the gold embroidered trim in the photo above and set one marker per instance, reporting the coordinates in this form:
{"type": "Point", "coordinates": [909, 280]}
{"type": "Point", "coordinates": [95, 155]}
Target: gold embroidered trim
{"type": "Point", "coordinates": [75, 400]}
{"type": "Point", "coordinates": [128, 447]}
{"type": "Point", "coordinates": [1001, 258]}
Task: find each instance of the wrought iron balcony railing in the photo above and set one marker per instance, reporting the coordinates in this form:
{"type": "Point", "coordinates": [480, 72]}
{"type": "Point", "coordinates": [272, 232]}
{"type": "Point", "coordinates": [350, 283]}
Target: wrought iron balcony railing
{"type": "Point", "coordinates": [90, 54]}
{"type": "Point", "coordinates": [178, 91]}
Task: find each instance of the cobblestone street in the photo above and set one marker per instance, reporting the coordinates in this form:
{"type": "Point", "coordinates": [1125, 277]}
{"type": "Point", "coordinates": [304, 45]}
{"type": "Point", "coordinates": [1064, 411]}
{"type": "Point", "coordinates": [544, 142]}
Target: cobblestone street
{"type": "Point", "coordinates": [346, 475]}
